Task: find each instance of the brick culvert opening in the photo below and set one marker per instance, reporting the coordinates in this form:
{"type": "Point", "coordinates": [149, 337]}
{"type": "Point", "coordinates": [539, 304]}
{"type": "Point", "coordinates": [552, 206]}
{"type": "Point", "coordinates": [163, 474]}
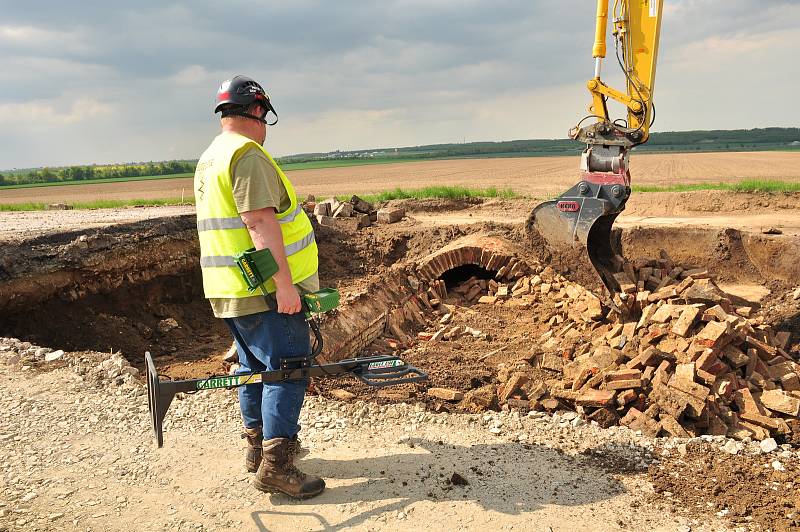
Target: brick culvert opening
{"type": "Point", "coordinates": [456, 276]}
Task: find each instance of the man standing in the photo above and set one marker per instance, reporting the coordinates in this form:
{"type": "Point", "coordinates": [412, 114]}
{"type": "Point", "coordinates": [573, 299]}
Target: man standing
{"type": "Point", "coordinates": [244, 200]}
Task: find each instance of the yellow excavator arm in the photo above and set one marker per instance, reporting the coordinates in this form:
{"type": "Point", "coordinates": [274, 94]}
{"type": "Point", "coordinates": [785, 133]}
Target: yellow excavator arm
{"type": "Point", "coordinates": [583, 216]}
{"type": "Point", "coordinates": [637, 28]}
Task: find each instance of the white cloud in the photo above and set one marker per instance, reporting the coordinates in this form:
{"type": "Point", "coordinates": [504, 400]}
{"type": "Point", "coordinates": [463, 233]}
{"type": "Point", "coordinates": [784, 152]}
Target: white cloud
{"type": "Point", "coordinates": [191, 75]}
{"type": "Point", "coordinates": [41, 113]}
{"type": "Point", "coordinates": [34, 38]}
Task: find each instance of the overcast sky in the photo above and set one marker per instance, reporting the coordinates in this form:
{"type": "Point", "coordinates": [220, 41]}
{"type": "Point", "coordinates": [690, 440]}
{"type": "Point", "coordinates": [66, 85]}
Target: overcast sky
{"type": "Point", "coordinates": [106, 81]}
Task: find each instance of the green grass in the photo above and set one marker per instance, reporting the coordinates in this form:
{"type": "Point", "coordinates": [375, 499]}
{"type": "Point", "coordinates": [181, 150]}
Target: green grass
{"type": "Point", "coordinates": [99, 204]}
{"type": "Point", "coordinates": [747, 185]}
{"type": "Point", "coordinates": [97, 181]}
{"type": "Point", "coordinates": [437, 192]}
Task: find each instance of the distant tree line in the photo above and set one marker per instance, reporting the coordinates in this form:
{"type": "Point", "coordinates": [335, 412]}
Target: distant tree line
{"type": "Point", "coordinates": [677, 141]}
{"type": "Point", "coordinates": [717, 140]}
{"type": "Point", "coordinates": [90, 172]}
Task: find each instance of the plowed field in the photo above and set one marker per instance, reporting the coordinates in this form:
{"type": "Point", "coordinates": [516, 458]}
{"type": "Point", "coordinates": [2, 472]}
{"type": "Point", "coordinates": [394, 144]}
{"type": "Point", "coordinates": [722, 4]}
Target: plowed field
{"type": "Point", "coordinates": [535, 176]}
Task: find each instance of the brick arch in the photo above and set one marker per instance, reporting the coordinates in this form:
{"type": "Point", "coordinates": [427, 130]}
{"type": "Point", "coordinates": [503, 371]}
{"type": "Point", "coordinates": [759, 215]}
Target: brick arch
{"type": "Point", "coordinates": [506, 265]}
{"type": "Point", "coordinates": [403, 297]}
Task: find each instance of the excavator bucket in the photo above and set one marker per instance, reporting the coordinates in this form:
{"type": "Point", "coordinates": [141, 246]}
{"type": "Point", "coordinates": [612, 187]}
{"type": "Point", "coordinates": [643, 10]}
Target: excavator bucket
{"type": "Point", "coordinates": [579, 223]}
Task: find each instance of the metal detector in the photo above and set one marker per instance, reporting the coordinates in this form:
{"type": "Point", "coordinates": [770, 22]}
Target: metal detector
{"type": "Point", "coordinates": [376, 371]}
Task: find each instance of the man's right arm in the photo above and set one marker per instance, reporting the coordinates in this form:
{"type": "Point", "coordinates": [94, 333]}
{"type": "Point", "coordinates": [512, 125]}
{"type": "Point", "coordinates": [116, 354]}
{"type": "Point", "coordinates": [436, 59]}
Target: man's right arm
{"type": "Point", "coordinates": [257, 191]}
{"type": "Point", "coordinates": [266, 234]}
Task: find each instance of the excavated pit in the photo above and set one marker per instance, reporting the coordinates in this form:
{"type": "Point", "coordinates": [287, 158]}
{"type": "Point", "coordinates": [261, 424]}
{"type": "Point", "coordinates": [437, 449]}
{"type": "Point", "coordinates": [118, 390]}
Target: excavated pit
{"type": "Point", "coordinates": [136, 287]}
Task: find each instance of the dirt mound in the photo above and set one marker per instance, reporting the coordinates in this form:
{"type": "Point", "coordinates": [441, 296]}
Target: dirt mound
{"type": "Point", "coordinates": [745, 489]}
{"type": "Point", "coordinates": [435, 204]}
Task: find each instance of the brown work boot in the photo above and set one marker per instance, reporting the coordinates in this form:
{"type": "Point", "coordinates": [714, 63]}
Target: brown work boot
{"type": "Point", "coordinates": [296, 448]}
{"type": "Point", "coordinates": [254, 438]}
{"type": "Point", "coordinates": [277, 473]}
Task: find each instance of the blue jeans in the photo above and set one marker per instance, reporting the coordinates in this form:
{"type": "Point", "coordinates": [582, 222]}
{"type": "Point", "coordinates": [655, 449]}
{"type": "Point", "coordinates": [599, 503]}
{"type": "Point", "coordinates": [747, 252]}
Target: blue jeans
{"type": "Point", "coordinates": [262, 340]}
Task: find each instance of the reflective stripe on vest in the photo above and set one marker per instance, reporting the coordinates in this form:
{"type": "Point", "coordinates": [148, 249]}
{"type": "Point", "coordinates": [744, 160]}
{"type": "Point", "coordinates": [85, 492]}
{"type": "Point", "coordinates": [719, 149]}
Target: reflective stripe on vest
{"type": "Point", "coordinates": [217, 262]}
{"type": "Point", "coordinates": [300, 245]}
{"type": "Point", "coordinates": [213, 224]}
{"type": "Point", "coordinates": [290, 217]}
{"type": "Point", "coordinates": [223, 234]}
{"type": "Point", "coordinates": [223, 260]}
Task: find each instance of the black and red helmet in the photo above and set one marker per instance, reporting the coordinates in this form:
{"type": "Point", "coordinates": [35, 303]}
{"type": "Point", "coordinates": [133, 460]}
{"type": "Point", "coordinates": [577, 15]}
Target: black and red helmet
{"type": "Point", "coordinates": [235, 95]}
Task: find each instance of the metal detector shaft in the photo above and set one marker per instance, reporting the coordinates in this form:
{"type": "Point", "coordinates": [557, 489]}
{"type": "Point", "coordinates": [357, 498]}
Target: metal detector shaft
{"type": "Point", "coordinates": [376, 371]}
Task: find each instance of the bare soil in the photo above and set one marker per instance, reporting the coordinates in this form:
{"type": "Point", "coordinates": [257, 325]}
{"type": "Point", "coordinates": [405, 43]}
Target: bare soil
{"type": "Point", "coordinates": [746, 489]}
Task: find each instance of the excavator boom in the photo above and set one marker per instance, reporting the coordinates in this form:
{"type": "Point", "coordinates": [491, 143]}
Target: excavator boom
{"type": "Point", "coordinates": [583, 216]}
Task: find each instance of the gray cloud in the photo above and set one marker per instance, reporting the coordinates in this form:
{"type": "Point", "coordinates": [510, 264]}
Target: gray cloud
{"type": "Point", "coordinates": [105, 81]}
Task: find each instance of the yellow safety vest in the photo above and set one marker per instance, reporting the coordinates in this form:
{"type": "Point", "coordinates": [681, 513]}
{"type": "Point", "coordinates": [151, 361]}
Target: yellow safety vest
{"type": "Point", "coordinates": [222, 232]}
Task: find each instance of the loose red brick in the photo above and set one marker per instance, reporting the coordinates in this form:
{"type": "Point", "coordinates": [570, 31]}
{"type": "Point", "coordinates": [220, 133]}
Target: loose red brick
{"type": "Point", "coordinates": [780, 401]}
{"type": "Point", "coordinates": [762, 346]}
{"type": "Point", "coordinates": [626, 397]}
{"type": "Point", "coordinates": [707, 377]}
{"type": "Point", "coordinates": [716, 426]}
{"type": "Point", "coordinates": [655, 334]}
{"type": "Point", "coordinates": [735, 355]}
{"type": "Point", "coordinates": [790, 382]}
{"type": "Point", "coordinates": [513, 384]}
{"type": "Point", "coordinates": [687, 372]}
{"type": "Point", "coordinates": [683, 285]}
{"type": "Point", "coordinates": [713, 334]}
{"type": "Point", "coordinates": [623, 374]}
{"type": "Point", "coordinates": [706, 360]}
{"type": "Point", "coordinates": [445, 394]}
{"type": "Point", "coordinates": [624, 385]}
{"type": "Point", "coordinates": [664, 293]}
{"type": "Point", "coordinates": [534, 390]}
{"type": "Point", "coordinates": [551, 404]}
{"type": "Point", "coordinates": [595, 398]}
{"type": "Point", "coordinates": [685, 321]}
{"type": "Point", "coordinates": [672, 427]}
{"type": "Point", "coordinates": [605, 417]}
{"type": "Point", "coordinates": [636, 420]}
{"type": "Point", "coordinates": [760, 420]}
{"type": "Point", "coordinates": [782, 339]}
{"type": "Point", "coordinates": [665, 313]}
{"type": "Point", "coordinates": [520, 404]}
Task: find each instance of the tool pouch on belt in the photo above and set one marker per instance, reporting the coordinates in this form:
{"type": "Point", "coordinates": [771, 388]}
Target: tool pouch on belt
{"type": "Point", "coordinates": [256, 267]}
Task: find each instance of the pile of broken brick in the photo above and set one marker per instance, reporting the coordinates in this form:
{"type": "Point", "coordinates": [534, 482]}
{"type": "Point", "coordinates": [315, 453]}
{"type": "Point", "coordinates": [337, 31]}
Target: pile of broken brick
{"type": "Point", "coordinates": [353, 214]}
{"type": "Point", "coordinates": [677, 357]}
